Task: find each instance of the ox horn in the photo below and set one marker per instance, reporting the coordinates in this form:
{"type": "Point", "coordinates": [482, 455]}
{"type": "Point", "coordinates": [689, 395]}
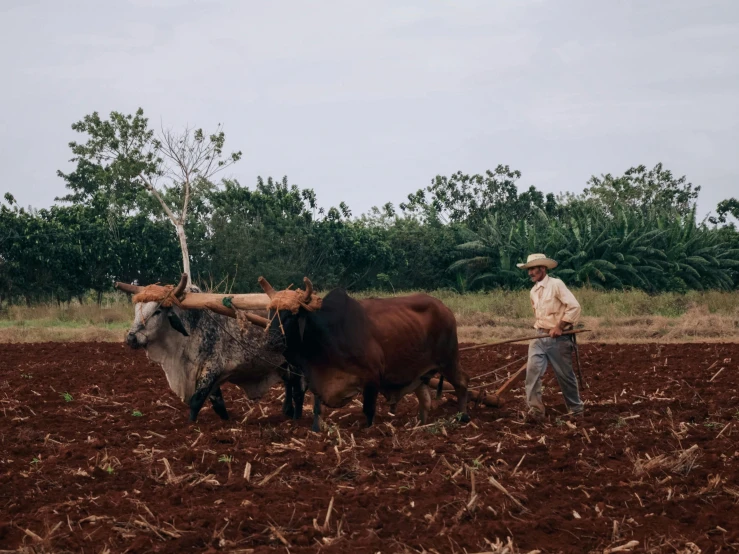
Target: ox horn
{"type": "Point", "coordinates": [257, 320]}
{"type": "Point", "coordinates": [308, 289]}
{"type": "Point", "coordinates": [180, 288]}
{"type": "Point", "coordinates": [266, 287]}
{"type": "Point", "coordinates": [125, 287]}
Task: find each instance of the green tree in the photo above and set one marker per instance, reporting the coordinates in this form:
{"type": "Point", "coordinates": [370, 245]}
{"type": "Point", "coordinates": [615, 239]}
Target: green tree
{"type": "Point", "coordinates": [418, 254]}
{"type": "Point", "coordinates": [469, 199]}
{"type": "Point", "coordinates": [123, 160]}
{"type": "Point", "coordinates": [727, 207]}
{"type": "Point", "coordinates": [643, 190]}
{"type": "Point", "coordinates": [265, 231]}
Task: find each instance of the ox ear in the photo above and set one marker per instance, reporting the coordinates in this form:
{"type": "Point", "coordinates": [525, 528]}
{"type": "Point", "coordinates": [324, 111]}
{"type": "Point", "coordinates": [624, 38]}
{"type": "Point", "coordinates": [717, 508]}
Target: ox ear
{"type": "Point", "coordinates": [176, 323]}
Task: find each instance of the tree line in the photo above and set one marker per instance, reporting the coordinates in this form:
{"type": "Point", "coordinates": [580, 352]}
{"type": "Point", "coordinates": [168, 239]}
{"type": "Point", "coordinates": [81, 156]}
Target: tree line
{"type": "Point", "coordinates": [141, 206]}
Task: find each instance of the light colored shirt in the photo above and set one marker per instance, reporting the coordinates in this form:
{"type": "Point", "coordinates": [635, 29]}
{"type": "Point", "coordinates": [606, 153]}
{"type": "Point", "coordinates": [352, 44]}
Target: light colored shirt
{"type": "Point", "coordinates": [552, 301]}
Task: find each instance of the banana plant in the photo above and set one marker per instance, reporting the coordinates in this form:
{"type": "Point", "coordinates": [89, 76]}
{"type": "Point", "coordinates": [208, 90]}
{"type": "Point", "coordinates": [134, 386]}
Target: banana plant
{"type": "Point", "coordinates": [615, 250]}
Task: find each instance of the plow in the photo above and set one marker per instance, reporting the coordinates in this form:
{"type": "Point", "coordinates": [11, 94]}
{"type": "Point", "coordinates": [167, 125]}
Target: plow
{"type": "Point", "coordinates": [495, 399]}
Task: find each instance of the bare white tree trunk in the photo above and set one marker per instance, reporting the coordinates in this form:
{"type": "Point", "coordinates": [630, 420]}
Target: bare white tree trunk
{"type": "Point", "coordinates": [178, 225]}
{"type": "Point", "coordinates": [185, 253]}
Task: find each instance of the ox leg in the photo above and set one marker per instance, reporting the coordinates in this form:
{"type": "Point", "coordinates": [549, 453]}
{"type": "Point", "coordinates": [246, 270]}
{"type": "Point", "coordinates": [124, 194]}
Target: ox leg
{"type": "Point", "coordinates": [459, 380]}
{"type": "Point", "coordinates": [369, 401]}
{"type": "Point", "coordinates": [440, 387]}
{"type": "Point", "coordinates": [287, 403]}
{"type": "Point", "coordinates": [298, 394]}
{"type": "Point", "coordinates": [219, 405]}
{"type": "Point", "coordinates": [461, 392]}
{"type": "Point", "coordinates": [202, 392]}
{"type": "Point", "coordinates": [462, 395]}
{"type": "Point", "coordinates": [292, 406]}
{"type": "Point", "coordinates": [316, 414]}
{"type": "Point", "coordinates": [424, 403]}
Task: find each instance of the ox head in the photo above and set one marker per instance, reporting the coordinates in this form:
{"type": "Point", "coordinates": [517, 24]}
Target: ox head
{"type": "Point", "coordinates": [304, 327]}
{"type": "Point", "coordinates": [288, 312]}
{"type": "Point", "coordinates": [154, 314]}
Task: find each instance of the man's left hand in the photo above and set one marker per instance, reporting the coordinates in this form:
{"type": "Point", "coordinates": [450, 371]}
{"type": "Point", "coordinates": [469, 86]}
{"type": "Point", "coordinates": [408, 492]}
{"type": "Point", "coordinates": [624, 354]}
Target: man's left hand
{"type": "Point", "coordinates": [555, 332]}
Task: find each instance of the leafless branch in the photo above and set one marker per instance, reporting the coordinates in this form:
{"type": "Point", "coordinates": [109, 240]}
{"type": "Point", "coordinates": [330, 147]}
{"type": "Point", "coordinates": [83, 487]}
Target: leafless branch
{"type": "Point", "coordinates": [192, 156]}
{"type": "Point", "coordinates": [148, 185]}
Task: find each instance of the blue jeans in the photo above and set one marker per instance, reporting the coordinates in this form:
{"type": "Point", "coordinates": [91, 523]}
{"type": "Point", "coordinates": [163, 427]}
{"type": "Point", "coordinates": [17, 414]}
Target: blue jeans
{"type": "Point", "coordinates": [558, 352]}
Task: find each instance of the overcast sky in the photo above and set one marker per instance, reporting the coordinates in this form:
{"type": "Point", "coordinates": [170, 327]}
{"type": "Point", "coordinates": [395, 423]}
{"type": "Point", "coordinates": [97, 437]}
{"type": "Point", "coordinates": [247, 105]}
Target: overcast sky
{"type": "Point", "coordinates": [366, 101]}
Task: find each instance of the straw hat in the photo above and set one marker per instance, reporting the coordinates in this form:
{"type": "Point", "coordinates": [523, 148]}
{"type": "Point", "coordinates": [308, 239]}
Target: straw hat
{"type": "Point", "coordinates": [535, 260]}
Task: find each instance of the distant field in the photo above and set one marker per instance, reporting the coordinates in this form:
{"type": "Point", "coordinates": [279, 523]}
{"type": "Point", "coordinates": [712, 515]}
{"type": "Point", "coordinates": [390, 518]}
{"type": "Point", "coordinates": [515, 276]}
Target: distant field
{"type": "Point", "coordinates": [75, 322]}
{"type": "Point", "coordinates": [613, 317]}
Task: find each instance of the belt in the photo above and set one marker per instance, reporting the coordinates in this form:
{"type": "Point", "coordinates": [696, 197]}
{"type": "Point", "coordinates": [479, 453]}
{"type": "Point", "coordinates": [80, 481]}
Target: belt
{"type": "Point", "coordinates": [538, 330]}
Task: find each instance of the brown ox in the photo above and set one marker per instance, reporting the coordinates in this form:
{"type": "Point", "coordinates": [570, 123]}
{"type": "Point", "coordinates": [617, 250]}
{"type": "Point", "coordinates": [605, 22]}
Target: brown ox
{"type": "Point", "coordinates": [391, 346]}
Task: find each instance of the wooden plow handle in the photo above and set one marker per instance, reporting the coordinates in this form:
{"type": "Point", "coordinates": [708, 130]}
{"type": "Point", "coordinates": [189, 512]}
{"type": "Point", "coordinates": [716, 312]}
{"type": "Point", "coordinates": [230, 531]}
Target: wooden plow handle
{"type": "Point", "coordinates": [521, 339]}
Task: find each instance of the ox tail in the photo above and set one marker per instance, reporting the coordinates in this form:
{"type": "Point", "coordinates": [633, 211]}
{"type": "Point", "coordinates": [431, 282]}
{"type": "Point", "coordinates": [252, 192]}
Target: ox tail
{"type": "Point", "coordinates": [440, 387]}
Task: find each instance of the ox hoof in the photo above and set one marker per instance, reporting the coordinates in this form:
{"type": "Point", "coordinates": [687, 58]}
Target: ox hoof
{"type": "Point", "coordinates": [464, 417]}
{"type": "Point", "coordinates": [316, 427]}
{"type": "Point", "coordinates": [289, 412]}
{"type": "Point", "coordinates": [193, 415]}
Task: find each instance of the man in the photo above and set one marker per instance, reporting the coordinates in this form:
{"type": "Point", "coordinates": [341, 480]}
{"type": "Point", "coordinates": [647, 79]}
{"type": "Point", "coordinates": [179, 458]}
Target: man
{"type": "Point", "coordinates": [556, 310]}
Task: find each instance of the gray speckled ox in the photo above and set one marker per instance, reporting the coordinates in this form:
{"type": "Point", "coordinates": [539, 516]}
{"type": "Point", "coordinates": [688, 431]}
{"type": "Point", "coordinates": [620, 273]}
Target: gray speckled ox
{"type": "Point", "coordinates": [200, 350]}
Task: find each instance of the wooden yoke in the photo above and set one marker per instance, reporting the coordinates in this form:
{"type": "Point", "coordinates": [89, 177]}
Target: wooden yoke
{"type": "Point", "coordinates": [228, 304]}
{"type": "Point", "coordinates": [200, 300]}
{"type": "Point", "coordinates": [224, 304]}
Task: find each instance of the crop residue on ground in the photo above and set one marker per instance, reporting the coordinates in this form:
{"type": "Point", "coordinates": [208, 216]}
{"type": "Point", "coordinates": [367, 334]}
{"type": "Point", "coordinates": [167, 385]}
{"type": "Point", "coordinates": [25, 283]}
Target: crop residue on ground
{"type": "Point", "coordinates": [96, 454]}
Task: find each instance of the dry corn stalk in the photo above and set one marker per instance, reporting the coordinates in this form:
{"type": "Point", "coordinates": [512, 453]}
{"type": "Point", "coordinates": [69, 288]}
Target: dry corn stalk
{"type": "Point", "coordinates": [681, 462]}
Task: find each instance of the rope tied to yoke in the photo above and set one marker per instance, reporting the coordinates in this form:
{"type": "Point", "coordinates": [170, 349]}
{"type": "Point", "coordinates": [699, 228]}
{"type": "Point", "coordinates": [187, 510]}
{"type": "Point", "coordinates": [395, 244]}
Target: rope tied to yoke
{"type": "Point", "coordinates": [293, 300]}
{"type": "Point", "coordinates": [162, 294]}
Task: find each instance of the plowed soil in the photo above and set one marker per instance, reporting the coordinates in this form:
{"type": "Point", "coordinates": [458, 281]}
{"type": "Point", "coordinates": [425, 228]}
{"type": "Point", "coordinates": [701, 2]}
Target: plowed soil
{"type": "Point", "coordinates": [97, 455]}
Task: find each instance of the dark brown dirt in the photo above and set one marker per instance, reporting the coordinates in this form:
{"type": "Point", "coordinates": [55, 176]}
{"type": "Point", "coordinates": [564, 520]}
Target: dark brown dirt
{"type": "Point", "coordinates": [88, 473]}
